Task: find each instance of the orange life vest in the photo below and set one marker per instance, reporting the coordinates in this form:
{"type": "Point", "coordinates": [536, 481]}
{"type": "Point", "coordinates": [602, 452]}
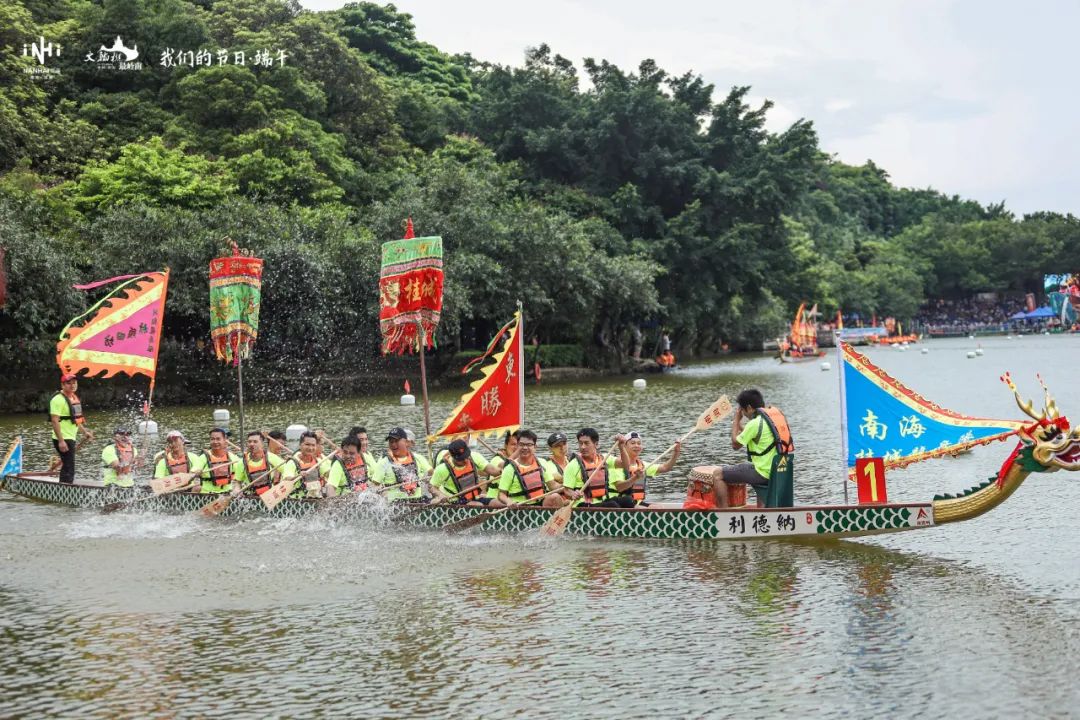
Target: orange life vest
{"type": "Point", "coordinates": [180, 467]}
{"type": "Point", "coordinates": [597, 490]}
{"type": "Point", "coordinates": [466, 480]}
{"type": "Point", "coordinates": [221, 473]}
{"type": "Point", "coordinates": [256, 468]}
{"type": "Point", "coordinates": [638, 490]}
{"type": "Point", "coordinates": [125, 456]}
{"type": "Point", "coordinates": [781, 433]}
{"type": "Point", "coordinates": [531, 480]}
{"type": "Point", "coordinates": [355, 474]}
{"type": "Point", "coordinates": [405, 472]}
{"type": "Point", "coordinates": [75, 413]}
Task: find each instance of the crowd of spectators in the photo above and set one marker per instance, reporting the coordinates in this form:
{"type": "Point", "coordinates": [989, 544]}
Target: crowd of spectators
{"type": "Point", "coordinates": [968, 315]}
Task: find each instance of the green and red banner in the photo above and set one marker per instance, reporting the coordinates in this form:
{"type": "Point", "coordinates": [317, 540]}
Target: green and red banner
{"type": "Point", "coordinates": [410, 292]}
{"type": "Point", "coordinates": [235, 296]}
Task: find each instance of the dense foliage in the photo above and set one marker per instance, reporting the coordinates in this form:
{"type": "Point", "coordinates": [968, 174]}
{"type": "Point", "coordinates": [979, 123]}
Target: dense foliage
{"type": "Point", "coordinates": [612, 207]}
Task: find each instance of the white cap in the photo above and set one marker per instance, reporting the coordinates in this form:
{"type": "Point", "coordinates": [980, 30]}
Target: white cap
{"type": "Point", "coordinates": [410, 435]}
{"type": "Point", "coordinates": [176, 434]}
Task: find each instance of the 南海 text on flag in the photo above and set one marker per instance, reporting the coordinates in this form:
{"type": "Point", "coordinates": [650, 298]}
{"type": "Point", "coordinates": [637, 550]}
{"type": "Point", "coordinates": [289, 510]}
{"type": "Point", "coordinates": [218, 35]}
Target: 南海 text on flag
{"type": "Point", "coordinates": [886, 419]}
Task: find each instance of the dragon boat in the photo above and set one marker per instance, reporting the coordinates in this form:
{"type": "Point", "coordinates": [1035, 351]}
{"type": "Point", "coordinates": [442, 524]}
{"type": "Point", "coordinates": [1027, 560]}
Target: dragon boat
{"type": "Point", "coordinates": [1046, 445]}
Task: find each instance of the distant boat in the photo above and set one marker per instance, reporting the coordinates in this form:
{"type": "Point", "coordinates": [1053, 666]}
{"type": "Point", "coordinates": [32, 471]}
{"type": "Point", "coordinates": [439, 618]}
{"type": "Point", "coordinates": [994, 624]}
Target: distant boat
{"type": "Point", "coordinates": [801, 343]}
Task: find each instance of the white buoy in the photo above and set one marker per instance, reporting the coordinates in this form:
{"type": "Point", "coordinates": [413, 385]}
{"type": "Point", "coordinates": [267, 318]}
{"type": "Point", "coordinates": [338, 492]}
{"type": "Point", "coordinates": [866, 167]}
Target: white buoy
{"type": "Point", "coordinates": [971, 337]}
{"type": "Point", "coordinates": [971, 354]}
{"type": "Point", "coordinates": [925, 351]}
{"type": "Point", "coordinates": [978, 351]}
{"type": "Point", "coordinates": [221, 416]}
{"type": "Point", "coordinates": [1008, 337]}
{"type": "Point", "coordinates": [1046, 332]}
{"type": "Point", "coordinates": [294, 431]}
{"type": "Point", "coordinates": [147, 427]}
{"type": "Point", "coordinates": [640, 384]}
{"type": "Point", "coordinates": [825, 366]}
{"type": "Point", "coordinates": [408, 399]}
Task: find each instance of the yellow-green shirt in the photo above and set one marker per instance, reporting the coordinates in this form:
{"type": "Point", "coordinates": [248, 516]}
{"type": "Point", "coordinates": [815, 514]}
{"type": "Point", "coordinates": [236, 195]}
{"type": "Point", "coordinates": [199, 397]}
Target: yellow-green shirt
{"type": "Point", "coordinates": [109, 475]}
{"type": "Point", "coordinates": [196, 464]}
{"type": "Point", "coordinates": [388, 476]}
{"type": "Point", "coordinates": [511, 485]}
{"type": "Point", "coordinates": [68, 427]}
{"type": "Point", "coordinates": [749, 439]}
{"type": "Point", "coordinates": [572, 478]}
{"type": "Point", "coordinates": [441, 477]}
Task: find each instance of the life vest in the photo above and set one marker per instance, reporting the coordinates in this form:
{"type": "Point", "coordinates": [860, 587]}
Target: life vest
{"type": "Point", "coordinates": [221, 473]}
{"type": "Point", "coordinates": [75, 413]}
{"type": "Point", "coordinates": [253, 469]}
{"type": "Point", "coordinates": [124, 456]}
{"type": "Point", "coordinates": [638, 490]}
{"type": "Point", "coordinates": [180, 467]}
{"type": "Point", "coordinates": [781, 433]}
{"type": "Point", "coordinates": [356, 474]}
{"type": "Point", "coordinates": [466, 480]}
{"type": "Point", "coordinates": [595, 491]}
{"type": "Point", "coordinates": [532, 481]}
{"type": "Point", "coordinates": [405, 472]}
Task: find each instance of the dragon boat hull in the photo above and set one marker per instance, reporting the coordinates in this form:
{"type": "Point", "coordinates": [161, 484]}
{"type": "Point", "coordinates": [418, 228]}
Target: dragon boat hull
{"type": "Point", "coordinates": [656, 521]}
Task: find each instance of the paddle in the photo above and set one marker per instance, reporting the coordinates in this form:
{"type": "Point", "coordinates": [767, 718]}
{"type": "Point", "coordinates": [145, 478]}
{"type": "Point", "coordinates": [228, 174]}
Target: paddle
{"type": "Point", "coordinates": [273, 497]}
{"type": "Point", "coordinates": [160, 486]}
{"type": "Point", "coordinates": [485, 516]}
{"type": "Point", "coordinates": [558, 521]}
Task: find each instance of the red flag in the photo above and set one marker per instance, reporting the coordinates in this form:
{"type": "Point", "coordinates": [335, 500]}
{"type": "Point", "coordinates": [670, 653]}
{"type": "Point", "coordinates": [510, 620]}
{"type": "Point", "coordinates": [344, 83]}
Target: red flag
{"type": "Point", "coordinates": [410, 292]}
{"type": "Point", "coordinates": [496, 402]}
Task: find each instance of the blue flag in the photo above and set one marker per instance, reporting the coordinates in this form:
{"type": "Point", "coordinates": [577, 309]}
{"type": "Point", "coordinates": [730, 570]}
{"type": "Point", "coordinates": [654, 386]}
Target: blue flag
{"type": "Point", "coordinates": [13, 460]}
{"type": "Point", "coordinates": [886, 419]}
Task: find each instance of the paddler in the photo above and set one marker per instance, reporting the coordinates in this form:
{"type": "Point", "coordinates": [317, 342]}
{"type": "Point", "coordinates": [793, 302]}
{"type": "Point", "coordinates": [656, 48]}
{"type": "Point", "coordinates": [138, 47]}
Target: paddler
{"type": "Point", "coordinates": [353, 471]}
{"type": "Point", "coordinates": [261, 467]}
{"type": "Point", "coordinates": [66, 418]}
{"type": "Point", "coordinates": [306, 458]}
{"type": "Point", "coordinates": [460, 473]}
{"type": "Point", "coordinates": [361, 434]}
{"type": "Point", "coordinates": [176, 458]}
{"type": "Point", "coordinates": [119, 459]}
{"type": "Point", "coordinates": [498, 463]}
{"type": "Point", "coordinates": [556, 443]}
{"type": "Point", "coordinates": [403, 468]}
{"type": "Point", "coordinates": [764, 432]}
{"type": "Point", "coordinates": [222, 467]}
{"type": "Point", "coordinates": [526, 478]}
{"type": "Point", "coordinates": [587, 464]}
{"type": "Point", "coordinates": [631, 476]}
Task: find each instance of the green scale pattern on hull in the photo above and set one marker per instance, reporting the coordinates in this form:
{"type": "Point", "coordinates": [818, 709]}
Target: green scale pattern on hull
{"type": "Point", "coordinates": [660, 523]}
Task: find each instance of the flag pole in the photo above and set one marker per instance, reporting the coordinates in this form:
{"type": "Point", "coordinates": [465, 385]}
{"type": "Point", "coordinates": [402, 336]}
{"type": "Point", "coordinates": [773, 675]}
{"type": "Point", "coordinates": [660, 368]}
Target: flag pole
{"type": "Point", "coordinates": [843, 413]}
{"type": "Point", "coordinates": [521, 370]}
{"type": "Point", "coordinates": [240, 384]}
{"type": "Point", "coordinates": [423, 388]}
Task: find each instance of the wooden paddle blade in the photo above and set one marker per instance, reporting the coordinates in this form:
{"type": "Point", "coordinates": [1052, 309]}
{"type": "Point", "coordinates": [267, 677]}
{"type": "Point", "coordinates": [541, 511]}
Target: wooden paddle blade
{"type": "Point", "coordinates": [215, 508]}
{"type": "Point", "coordinates": [171, 483]}
{"type": "Point", "coordinates": [556, 524]}
{"type": "Point", "coordinates": [272, 497]}
{"type": "Point", "coordinates": [714, 413]}
{"type": "Point", "coordinates": [462, 525]}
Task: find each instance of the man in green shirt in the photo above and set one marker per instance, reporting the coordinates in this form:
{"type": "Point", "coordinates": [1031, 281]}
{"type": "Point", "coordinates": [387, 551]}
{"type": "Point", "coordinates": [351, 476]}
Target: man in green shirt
{"type": "Point", "coordinates": [118, 460]}
{"type": "Point", "coordinates": [461, 473]}
{"type": "Point", "coordinates": [587, 465]}
{"type": "Point", "coordinates": [66, 417]}
{"type": "Point", "coordinates": [753, 429]}
{"type": "Point", "coordinates": [176, 458]}
{"type": "Point", "coordinates": [526, 478]}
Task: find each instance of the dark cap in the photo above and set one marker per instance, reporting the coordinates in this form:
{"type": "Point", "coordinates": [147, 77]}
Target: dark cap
{"type": "Point", "coordinates": [459, 449]}
{"type": "Point", "coordinates": [397, 434]}
{"type": "Point", "coordinates": [556, 438]}
{"type": "Point", "coordinates": [121, 431]}
{"type": "Point", "coordinates": [67, 377]}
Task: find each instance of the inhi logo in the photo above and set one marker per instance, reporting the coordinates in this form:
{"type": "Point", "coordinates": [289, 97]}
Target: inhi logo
{"type": "Point", "coordinates": [40, 50]}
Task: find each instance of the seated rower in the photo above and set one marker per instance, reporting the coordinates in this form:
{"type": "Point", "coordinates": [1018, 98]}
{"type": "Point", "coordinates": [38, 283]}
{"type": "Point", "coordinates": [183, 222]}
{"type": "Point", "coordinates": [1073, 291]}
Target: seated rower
{"type": "Point", "coordinates": [461, 473]}
{"type": "Point", "coordinates": [498, 463]}
{"type": "Point", "coordinates": [402, 469]}
{"type": "Point", "coordinates": [176, 458]}
{"type": "Point", "coordinates": [360, 433]}
{"type": "Point", "coordinates": [119, 459]}
{"type": "Point", "coordinates": [526, 478]}
{"type": "Point", "coordinates": [557, 445]}
{"type": "Point", "coordinates": [632, 485]}
{"type": "Point", "coordinates": [484, 467]}
{"type": "Point", "coordinates": [222, 468]}
{"type": "Point", "coordinates": [261, 467]}
{"type": "Point", "coordinates": [764, 432]}
{"type": "Point", "coordinates": [311, 483]}
{"type": "Point", "coordinates": [588, 474]}
{"type": "Point", "coordinates": [355, 471]}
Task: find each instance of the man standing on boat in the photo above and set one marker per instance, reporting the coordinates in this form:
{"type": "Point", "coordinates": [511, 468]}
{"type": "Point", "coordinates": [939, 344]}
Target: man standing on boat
{"type": "Point", "coordinates": [66, 418]}
{"type": "Point", "coordinates": [400, 466]}
{"type": "Point", "coordinates": [176, 458]}
{"type": "Point", "coordinates": [222, 467]}
{"type": "Point", "coordinates": [118, 459]}
{"type": "Point", "coordinates": [764, 432]}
